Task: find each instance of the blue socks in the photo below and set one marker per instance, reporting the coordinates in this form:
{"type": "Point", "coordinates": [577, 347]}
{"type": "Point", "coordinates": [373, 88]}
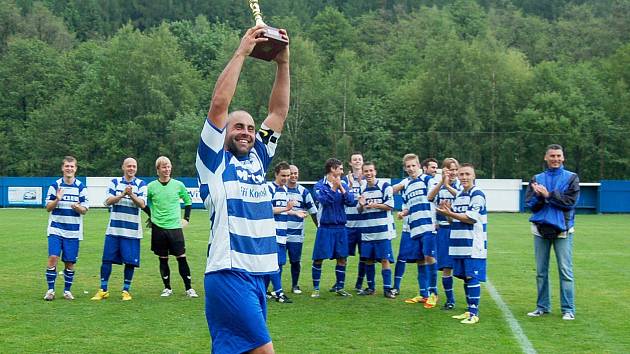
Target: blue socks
{"type": "Point", "coordinates": [68, 277]}
{"type": "Point", "coordinates": [447, 284]}
{"type": "Point", "coordinates": [106, 271]}
{"type": "Point", "coordinates": [128, 273]}
{"type": "Point", "coordinates": [51, 276]}
{"type": "Point", "coordinates": [340, 275]}
{"type": "Point", "coordinates": [387, 278]}
{"type": "Point", "coordinates": [370, 274]}
{"type": "Point", "coordinates": [473, 294]}
{"type": "Point", "coordinates": [399, 271]}
{"type": "Point", "coordinates": [316, 272]}
{"type": "Point", "coordinates": [361, 274]}
{"type": "Point", "coordinates": [432, 278]}
{"type": "Point", "coordinates": [295, 273]}
{"type": "Point", "coordinates": [422, 280]}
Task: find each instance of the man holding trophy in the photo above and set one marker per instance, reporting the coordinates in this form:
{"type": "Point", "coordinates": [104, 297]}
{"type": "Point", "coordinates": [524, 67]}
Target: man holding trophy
{"type": "Point", "coordinates": [231, 162]}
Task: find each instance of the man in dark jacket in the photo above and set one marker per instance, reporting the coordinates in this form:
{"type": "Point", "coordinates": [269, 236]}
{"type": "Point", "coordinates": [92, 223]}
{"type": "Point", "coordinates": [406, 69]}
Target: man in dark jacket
{"type": "Point", "coordinates": [552, 196]}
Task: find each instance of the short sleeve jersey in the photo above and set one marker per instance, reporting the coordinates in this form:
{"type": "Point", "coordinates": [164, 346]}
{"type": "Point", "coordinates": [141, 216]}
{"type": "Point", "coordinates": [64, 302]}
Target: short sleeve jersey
{"type": "Point", "coordinates": [469, 240]}
{"type": "Point", "coordinates": [243, 233]}
{"type": "Point", "coordinates": [63, 220]}
{"type": "Point", "coordinates": [124, 218]}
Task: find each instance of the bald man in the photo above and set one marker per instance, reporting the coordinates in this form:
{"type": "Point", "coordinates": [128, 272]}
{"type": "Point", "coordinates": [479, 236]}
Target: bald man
{"type": "Point", "coordinates": [126, 196]}
{"type": "Point", "coordinates": [232, 158]}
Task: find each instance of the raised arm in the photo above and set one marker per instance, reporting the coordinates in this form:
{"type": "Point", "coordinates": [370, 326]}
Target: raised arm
{"type": "Point", "coordinates": [225, 86]}
{"type": "Point", "coordinates": [279, 99]}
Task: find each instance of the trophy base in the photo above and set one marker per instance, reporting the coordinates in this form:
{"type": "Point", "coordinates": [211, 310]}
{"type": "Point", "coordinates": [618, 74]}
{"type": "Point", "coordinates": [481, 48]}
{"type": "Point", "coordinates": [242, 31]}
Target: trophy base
{"type": "Point", "coordinates": [269, 49]}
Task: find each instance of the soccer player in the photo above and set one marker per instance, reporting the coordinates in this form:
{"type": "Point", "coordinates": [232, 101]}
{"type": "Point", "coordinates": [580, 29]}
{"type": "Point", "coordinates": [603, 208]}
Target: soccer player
{"type": "Point", "coordinates": [429, 265]}
{"type": "Point", "coordinates": [415, 191]}
{"type": "Point", "coordinates": [67, 203]}
{"type": "Point", "coordinates": [468, 239]}
{"type": "Point", "coordinates": [167, 235]}
{"type": "Point", "coordinates": [231, 162]}
{"type": "Point", "coordinates": [376, 203]}
{"type": "Point", "coordinates": [331, 241]}
{"type": "Point", "coordinates": [354, 179]}
{"type": "Point", "coordinates": [302, 201]}
{"type": "Point", "coordinates": [446, 190]}
{"type": "Point", "coordinates": [282, 208]}
{"type": "Point", "coordinates": [126, 196]}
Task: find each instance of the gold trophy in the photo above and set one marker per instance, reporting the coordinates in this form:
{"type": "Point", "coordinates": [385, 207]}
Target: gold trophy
{"type": "Point", "coordinates": [275, 42]}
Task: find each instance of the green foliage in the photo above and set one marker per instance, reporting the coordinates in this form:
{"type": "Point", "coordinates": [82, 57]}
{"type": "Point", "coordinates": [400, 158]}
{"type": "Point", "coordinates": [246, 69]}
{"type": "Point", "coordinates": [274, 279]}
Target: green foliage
{"type": "Point", "coordinates": [489, 82]}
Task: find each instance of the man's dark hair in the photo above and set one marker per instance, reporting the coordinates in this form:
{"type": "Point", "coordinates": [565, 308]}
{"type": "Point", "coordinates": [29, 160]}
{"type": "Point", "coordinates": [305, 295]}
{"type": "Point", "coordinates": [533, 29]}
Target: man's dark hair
{"type": "Point", "coordinates": [554, 147]}
{"type": "Point", "coordinates": [467, 164]}
{"type": "Point", "coordinates": [425, 162]}
{"type": "Point", "coordinates": [369, 163]}
{"type": "Point", "coordinates": [332, 163]}
{"type": "Point", "coordinates": [282, 165]}
{"type": "Point", "coordinates": [356, 153]}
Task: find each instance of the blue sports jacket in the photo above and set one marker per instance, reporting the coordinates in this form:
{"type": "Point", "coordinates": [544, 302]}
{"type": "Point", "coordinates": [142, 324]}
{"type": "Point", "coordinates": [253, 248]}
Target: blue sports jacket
{"type": "Point", "coordinates": [559, 208]}
{"type": "Point", "coordinates": [331, 203]}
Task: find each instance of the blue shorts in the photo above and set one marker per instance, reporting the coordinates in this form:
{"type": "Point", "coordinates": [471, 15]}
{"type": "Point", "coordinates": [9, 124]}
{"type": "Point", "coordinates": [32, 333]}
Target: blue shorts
{"type": "Point", "coordinates": [68, 247]}
{"type": "Point", "coordinates": [377, 250]}
{"type": "Point", "coordinates": [469, 268]}
{"type": "Point", "coordinates": [443, 259]}
{"type": "Point", "coordinates": [121, 250]}
{"type": "Point", "coordinates": [427, 245]}
{"type": "Point", "coordinates": [354, 240]}
{"type": "Point", "coordinates": [236, 311]}
{"type": "Point", "coordinates": [330, 243]}
{"type": "Point", "coordinates": [295, 251]}
{"type": "Point", "coordinates": [282, 253]}
{"type": "Point", "coordinates": [409, 248]}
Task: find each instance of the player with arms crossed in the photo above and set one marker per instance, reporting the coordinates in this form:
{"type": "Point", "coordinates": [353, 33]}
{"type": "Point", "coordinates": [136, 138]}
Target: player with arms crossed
{"type": "Point", "coordinates": [67, 203]}
{"type": "Point", "coordinates": [468, 240]}
{"type": "Point", "coordinates": [231, 163]}
{"type": "Point", "coordinates": [126, 196]}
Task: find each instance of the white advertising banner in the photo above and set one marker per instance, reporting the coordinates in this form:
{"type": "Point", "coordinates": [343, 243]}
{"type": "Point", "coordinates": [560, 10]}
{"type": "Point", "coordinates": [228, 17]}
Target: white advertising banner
{"type": "Point", "coordinates": [25, 196]}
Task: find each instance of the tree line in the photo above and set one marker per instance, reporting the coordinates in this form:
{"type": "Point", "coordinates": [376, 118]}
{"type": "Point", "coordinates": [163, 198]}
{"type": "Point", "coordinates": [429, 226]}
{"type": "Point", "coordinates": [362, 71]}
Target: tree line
{"type": "Point", "coordinates": [487, 82]}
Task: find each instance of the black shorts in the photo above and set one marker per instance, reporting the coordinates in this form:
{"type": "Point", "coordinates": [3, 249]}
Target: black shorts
{"type": "Point", "coordinates": [167, 241]}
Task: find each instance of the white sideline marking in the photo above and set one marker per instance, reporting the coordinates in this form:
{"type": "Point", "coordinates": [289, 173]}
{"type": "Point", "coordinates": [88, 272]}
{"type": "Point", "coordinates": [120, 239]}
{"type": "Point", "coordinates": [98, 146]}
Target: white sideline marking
{"type": "Point", "coordinates": [526, 345]}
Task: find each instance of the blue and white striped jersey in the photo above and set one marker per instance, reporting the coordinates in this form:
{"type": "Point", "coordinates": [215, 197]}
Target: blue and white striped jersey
{"type": "Point", "coordinates": [279, 198]}
{"type": "Point", "coordinates": [469, 240]}
{"type": "Point", "coordinates": [63, 220]}
{"type": "Point", "coordinates": [445, 194]}
{"type": "Point", "coordinates": [125, 219]}
{"type": "Point", "coordinates": [431, 182]}
{"type": "Point", "coordinates": [352, 213]}
{"type": "Point", "coordinates": [243, 233]}
{"type": "Point", "coordinates": [377, 224]}
{"type": "Point", "coordinates": [415, 196]}
{"type": "Point", "coordinates": [302, 200]}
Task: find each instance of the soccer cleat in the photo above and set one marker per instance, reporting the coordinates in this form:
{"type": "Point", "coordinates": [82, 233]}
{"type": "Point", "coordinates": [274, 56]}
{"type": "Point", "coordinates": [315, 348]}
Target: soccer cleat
{"type": "Point", "coordinates": [191, 293]}
{"type": "Point", "coordinates": [50, 295]}
{"type": "Point", "coordinates": [269, 295]}
{"type": "Point", "coordinates": [166, 292]}
{"type": "Point", "coordinates": [68, 295]}
{"type": "Point", "coordinates": [470, 320]}
{"type": "Point", "coordinates": [125, 296]}
{"type": "Point", "coordinates": [296, 290]}
{"type": "Point", "coordinates": [463, 316]}
{"type": "Point", "coordinates": [344, 293]}
{"type": "Point", "coordinates": [358, 290]}
{"type": "Point", "coordinates": [333, 289]}
{"type": "Point", "coordinates": [568, 316]}
{"type": "Point", "coordinates": [283, 299]}
{"type": "Point", "coordinates": [389, 294]}
{"type": "Point", "coordinates": [448, 306]}
{"type": "Point", "coordinates": [100, 295]}
{"type": "Point", "coordinates": [431, 301]}
{"type": "Point", "coordinates": [416, 300]}
{"type": "Point", "coordinates": [537, 313]}
{"type": "Point", "coordinates": [366, 292]}
{"type": "Point", "coordinates": [395, 291]}
{"type": "Point", "coordinates": [315, 294]}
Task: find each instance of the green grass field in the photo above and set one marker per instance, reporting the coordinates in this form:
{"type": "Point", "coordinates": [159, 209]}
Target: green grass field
{"type": "Point", "coordinates": [151, 324]}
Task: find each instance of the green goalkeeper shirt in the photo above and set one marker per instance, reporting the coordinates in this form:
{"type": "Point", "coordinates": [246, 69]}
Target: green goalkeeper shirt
{"type": "Point", "coordinates": [164, 203]}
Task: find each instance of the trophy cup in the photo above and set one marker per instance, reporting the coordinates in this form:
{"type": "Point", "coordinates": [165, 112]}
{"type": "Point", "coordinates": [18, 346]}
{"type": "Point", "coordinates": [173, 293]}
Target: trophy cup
{"type": "Point", "coordinates": [275, 42]}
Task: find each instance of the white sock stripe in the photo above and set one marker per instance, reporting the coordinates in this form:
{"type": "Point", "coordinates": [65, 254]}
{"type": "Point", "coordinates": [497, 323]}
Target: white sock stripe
{"type": "Point", "coordinates": [526, 345]}
{"type": "Point", "coordinates": [474, 286]}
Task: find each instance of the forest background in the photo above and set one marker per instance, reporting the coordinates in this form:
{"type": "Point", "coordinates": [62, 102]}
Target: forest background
{"type": "Point", "coordinates": [489, 82]}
